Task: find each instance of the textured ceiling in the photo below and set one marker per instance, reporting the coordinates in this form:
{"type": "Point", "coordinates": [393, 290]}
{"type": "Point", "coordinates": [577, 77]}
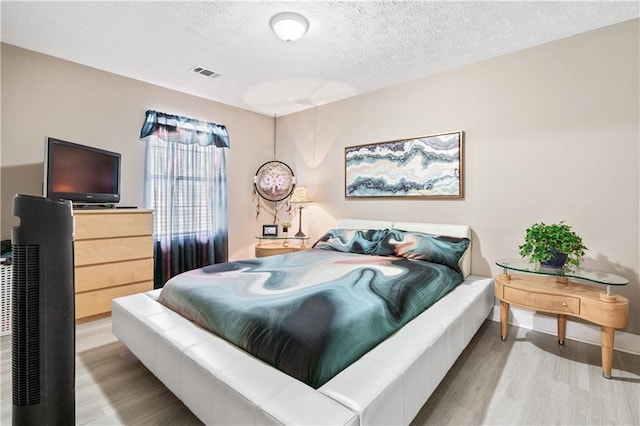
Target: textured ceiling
{"type": "Point", "coordinates": [350, 48]}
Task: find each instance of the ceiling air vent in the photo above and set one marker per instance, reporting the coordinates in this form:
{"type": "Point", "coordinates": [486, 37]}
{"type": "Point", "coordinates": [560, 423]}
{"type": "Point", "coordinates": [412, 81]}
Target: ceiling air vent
{"type": "Point", "coordinates": [205, 72]}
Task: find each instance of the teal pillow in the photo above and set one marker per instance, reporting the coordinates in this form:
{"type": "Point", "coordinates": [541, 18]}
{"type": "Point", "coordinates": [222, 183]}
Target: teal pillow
{"type": "Point", "coordinates": [420, 246]}
{"type": "Point", "coordinates": [361, 241]}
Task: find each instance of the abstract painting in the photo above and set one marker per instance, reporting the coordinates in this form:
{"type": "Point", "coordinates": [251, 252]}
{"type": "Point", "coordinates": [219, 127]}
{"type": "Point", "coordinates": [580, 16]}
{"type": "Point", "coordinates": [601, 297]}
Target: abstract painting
{"type": "Point", "coordinates": [422, 167]}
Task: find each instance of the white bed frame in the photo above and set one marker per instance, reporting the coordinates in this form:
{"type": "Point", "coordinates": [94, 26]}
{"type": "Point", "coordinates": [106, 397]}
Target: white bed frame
{"type": "Point", "coordinates": [222, 384]}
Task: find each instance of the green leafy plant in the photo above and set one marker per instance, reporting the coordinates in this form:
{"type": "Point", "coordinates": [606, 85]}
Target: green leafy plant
{"type": "Point", "coordinates": [541, 239]}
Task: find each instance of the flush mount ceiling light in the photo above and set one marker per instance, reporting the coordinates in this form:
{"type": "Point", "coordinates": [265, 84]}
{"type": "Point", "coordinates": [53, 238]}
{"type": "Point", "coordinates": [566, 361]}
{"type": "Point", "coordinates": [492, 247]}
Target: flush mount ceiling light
{"type": "Point", "coordinates": [289, 26]}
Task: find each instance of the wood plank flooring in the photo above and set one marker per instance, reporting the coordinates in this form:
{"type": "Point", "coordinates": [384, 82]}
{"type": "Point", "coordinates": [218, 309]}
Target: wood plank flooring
{"type": "Point", "coordinates": [527, 380]}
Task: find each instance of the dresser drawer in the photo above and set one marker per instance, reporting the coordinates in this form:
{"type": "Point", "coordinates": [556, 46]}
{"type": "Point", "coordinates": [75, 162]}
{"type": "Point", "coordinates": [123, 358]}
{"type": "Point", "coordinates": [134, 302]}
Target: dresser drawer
{"type": "Point", "coordinates": [542, 301]}
{"type": "Point", "coordinates": [93, 277]}
{"type": "Point", "coordinates": [112, 223]}
{"type": "Point", "coordinates": [90, 252]}
{"type": "Point", "coordinates": [98, 302]}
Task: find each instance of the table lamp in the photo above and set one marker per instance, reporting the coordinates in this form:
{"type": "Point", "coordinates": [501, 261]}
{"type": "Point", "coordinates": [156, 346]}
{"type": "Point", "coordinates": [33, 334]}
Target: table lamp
{"type": "Point", "coordinates": [300, 196]}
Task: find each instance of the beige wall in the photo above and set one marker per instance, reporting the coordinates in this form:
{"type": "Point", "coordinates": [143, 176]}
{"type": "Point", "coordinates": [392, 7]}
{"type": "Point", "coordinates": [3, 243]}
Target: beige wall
{"type": "Point", "coordinates": [551, 134]}
{"type": "Point", "coordinates": [45, 96]}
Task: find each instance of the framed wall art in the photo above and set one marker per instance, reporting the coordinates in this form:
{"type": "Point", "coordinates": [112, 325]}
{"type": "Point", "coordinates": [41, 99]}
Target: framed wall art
{"type": "Point", "coordinates": [422, 167]}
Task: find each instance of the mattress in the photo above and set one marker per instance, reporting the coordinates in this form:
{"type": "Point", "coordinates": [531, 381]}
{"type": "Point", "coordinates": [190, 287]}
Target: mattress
{"type": "Point", "coordinates": [310, 313]}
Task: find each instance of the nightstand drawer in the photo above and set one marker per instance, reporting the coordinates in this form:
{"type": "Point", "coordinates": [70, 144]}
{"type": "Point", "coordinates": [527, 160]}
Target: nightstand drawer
{"type": "Point", "coordinates": [543, 301]}
{"type": "Point", "coordinates": [264, 250]}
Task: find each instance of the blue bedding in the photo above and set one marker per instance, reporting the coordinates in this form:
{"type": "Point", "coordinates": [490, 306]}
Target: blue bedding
{"type": "Point", "coordinates": [311, 313]}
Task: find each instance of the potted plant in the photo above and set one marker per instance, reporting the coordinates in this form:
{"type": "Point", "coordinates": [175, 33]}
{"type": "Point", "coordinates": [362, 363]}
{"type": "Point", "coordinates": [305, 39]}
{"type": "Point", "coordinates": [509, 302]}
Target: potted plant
{"type": "Point", "coordinates": [552, 245]}
{"type": "Point", "coordinates": [285, 226]}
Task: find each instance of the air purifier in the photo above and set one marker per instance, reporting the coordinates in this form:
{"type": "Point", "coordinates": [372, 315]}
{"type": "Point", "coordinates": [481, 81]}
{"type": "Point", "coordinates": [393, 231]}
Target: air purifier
{"type": "Point", "coordinates": [43, 311]}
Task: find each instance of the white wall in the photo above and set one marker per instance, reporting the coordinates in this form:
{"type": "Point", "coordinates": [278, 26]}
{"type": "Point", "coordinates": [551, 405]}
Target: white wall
{"type": "Point", "coordinates": [45, 96]}
{"type": "Point", "coordinates": [552, 134]}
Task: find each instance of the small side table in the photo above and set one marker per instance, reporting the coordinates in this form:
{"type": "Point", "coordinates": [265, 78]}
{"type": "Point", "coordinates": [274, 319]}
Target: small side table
{"type": "Point", "coordinates": [270, 246]}
{"type": "Point", "coordinates": [551, 291]}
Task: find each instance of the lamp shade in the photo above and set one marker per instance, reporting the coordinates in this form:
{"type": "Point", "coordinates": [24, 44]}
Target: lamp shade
{"type": "Point", "coordinates": [300, 195]}
{"type": "Point", "coordinates": [289, 26]}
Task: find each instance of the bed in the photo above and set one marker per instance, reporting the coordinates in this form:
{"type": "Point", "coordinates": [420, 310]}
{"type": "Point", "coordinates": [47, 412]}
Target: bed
{"type": "Point", "coordinates": [222, 384]}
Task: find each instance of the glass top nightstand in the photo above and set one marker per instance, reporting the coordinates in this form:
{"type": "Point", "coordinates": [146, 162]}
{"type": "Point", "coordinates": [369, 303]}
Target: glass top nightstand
{"type": "Point", "coordinates": [302, 241]}
{"type": "Point", "coordinates": [269, 246]}
{"type": "Point", "coordinates": [598, 277]}
{"type": "Point", "coordinates": [535, 289]}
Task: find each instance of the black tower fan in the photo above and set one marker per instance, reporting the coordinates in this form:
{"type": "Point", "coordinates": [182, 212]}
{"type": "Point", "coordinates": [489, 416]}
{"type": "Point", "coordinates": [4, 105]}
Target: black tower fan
{"type": "Point", "coordinates": [43, 311]}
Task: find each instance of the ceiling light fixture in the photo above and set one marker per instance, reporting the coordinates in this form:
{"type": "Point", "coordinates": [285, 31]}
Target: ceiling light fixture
{"type": "Point", "coordinates": [289, 26]}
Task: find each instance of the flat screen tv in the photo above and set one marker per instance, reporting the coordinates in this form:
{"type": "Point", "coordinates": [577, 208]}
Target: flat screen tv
{"type": "Point", "coordinates": [80, 173]}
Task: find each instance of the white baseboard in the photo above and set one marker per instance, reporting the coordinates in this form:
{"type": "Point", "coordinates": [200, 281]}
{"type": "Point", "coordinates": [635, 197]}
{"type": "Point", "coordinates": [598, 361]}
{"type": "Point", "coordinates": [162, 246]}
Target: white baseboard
{"type": "Point", "coordinates": [582, 332]}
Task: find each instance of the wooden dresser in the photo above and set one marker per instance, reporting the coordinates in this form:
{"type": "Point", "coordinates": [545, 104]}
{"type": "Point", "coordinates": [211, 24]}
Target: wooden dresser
{"type": "Point", "coordinates": [113, 253]}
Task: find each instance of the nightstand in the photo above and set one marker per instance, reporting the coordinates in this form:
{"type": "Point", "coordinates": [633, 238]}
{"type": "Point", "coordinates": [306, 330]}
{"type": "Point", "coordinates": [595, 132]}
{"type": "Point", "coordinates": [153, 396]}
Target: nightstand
{"type": "Point", "coordinates": [269, 246]}
{"type": "Point", "coordinates": [551, 291]}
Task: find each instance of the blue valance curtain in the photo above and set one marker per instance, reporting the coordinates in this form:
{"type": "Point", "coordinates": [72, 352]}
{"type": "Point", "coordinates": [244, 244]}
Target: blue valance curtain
{"type": "Point", "coordinates": [174, 128]}
{"type": "Point", "coordinates": [186, 186]}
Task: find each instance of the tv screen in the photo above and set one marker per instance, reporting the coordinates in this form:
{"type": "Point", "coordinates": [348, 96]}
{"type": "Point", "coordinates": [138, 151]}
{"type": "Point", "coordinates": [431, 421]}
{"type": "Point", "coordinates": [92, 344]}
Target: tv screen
{"type": "Point", "coordinates": [81, 173]}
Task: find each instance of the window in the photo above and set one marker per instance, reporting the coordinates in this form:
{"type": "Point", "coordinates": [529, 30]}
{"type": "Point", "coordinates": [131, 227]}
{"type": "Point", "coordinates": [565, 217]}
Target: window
{"type": "Point", "coordinates": [181, 183]}
{"type": "Point", "coordinates": [186, 186]}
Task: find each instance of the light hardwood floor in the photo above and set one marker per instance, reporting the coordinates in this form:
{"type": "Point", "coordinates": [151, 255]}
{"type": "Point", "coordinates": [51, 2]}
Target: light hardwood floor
{"type": "Point", "coordinates": [527, 380]}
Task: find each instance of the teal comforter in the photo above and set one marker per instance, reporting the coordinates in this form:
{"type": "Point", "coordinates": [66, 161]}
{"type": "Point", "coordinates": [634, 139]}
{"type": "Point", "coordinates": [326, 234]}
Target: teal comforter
{"type": "Point", "coordinates": [311, 313]}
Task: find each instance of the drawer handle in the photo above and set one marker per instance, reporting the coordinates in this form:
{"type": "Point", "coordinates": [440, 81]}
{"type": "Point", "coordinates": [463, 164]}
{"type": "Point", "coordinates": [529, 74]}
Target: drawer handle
{"type": "Point", "coordinates": [564, 303]}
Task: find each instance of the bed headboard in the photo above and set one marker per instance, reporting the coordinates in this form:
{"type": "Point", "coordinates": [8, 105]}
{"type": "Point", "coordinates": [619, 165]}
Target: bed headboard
{"type": "Point", "coordinates": [460, 231]}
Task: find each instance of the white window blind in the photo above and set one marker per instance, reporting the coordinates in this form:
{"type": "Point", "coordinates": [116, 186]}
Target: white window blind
{"type": "Point", "coordinates": [181, 183]}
